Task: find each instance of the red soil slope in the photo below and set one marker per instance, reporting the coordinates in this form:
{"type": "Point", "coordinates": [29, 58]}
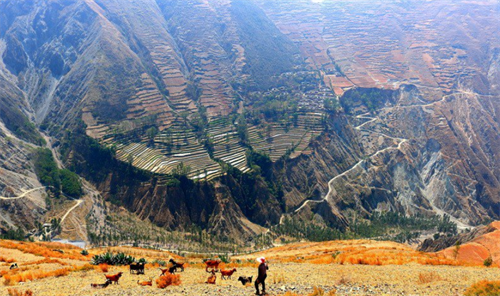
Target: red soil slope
{"type": "Point", "coordinates": [480, 248]}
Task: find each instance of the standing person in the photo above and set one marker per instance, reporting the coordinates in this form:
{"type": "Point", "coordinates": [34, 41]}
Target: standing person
{"type": "Point", "coordinates": [261, 278]}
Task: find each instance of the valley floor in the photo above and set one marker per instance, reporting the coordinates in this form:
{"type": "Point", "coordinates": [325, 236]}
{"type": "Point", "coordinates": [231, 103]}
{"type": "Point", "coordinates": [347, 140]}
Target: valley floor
{"type": "Point", "coordinates": [299, 278]}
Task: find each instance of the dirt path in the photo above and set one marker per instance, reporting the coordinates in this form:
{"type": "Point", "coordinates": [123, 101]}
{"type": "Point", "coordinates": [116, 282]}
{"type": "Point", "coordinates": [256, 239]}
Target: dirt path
{"type": "Point", "coordinates": [23, 194]}
{"type": "Point", "coordinates": [78, 202]}
{"type": "Point", "coordinates": [363, 161]}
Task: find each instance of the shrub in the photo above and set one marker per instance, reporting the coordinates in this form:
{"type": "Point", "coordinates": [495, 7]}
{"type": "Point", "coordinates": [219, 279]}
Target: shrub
{"type": "Point", "coordinates": [112, 259]}
{"type": "Point", "coordinates": [488, 261]}
{"type": "Point", "coordinates": [14, 234]}
{"type": "Point", "coordinates": [84, 252]}
{"type": "Point", "coordinates": [225, 258]}
{"type": "Point", "coordinates": [168, 280]}
{"type": "Point", "coordinates": [160, 262]}
{"type": "Point", "coordinates": [484, 288]}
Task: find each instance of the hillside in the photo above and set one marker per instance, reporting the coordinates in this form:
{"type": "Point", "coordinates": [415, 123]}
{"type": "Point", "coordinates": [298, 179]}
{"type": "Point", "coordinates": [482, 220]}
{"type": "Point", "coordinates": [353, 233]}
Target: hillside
{"type": "Point", "coordinates": [478, 249]}
{"type": "Point", "coordinates": [247, 122]}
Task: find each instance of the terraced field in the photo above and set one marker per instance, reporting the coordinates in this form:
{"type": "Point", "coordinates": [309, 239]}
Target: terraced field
{"type": "Point", "coordinates": [179, 144]}
{"type": "Point", "coordinates": [227, 146]}
{"type": "Point", "coordinates": [172, 147]}
{"type": "Point", "coordinates": [277, 140]}
{"type": "Point", "coordinates": [150, 102]}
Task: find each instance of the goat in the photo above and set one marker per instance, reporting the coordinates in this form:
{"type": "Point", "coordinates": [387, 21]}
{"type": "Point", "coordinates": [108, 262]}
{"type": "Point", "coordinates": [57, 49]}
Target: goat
{"type": "Point", "coordinates": [146, 283]}
{"type": "Point", "coordinates": [245, 279]}
{"type": "Point", "coordinates": [227, 273]}
{"type": "Point", "coordinates": [14, 265]}
{"type": "Point", "coordinates": [114, 277]}
{"type": "Point", "coordinates": [101, 286]}
{"type": "Point", "coordinates": [177, 265]}
{"type": "Point", "coordinates": [138, 268]}
{"type": "Point", "coordinates": [163, 271]}
{"type": "Point", "coordinates": [213, 264]}
{"type": "Point", "coordinates": [211, 279]}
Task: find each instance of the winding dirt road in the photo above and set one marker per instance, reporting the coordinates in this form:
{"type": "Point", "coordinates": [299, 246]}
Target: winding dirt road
{"type": "Point", "coordinates": [22, 195]}
{"type": "Point", "coordinates": [78, 202]}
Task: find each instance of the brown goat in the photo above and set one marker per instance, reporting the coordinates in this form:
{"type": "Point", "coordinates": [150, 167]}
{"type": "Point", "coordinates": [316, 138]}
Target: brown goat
{"type": "Point", "coordinates": [227, 273]}
{"type": "Point", "coordinates": [211, 279]}
{"type": "Point", "coordinates": [146, 283]}
{"type": "Point", "coordinates": [114, 277]}
{"type": "Point", "coordinates": [213, 264]}
{"type": "Point", "coordinates": [163, 271]}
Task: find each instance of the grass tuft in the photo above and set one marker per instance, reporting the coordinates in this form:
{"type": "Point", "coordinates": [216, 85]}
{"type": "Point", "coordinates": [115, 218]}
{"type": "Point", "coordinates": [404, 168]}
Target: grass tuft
{"type": "Point", "coordinates": [428, 277]}
{"type": "Point", "coordinates": [168, 280]}
{"type": "Point", "coordinates": [484, 288]}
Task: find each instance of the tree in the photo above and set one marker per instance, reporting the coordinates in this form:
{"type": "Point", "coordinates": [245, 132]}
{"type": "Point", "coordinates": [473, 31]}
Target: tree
{"type": "Point", "coordinates": [457, 249]}
{"type": "Point", "coordinates": [488, 261]}
{"type": "Point", "coordinates": [242, 128]}
{"type": "Point", "coordinates": [331, 104]}
{"type": "Point", "coordinates": [181, 170]}
{"type": "Point", "coordinates": [70, 183]}
{"type": "Point", "coordinates": [47, 171]}
{"type": "Point", "coordinates": [151, 134]}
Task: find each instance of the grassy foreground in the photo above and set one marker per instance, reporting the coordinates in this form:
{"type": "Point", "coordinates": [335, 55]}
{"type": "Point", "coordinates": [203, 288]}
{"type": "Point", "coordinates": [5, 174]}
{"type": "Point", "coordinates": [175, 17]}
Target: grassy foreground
{"type": "Point", "coordinates": [360, 267]}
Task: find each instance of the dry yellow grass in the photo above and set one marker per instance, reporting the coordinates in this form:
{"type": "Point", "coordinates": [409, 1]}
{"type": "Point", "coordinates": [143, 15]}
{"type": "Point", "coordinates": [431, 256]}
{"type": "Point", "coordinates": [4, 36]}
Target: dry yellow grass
{"type": "Point", "coordinates": [26, 276]}
{"type": "Point", "coordinates": [428, 277]}
{"type": "Point", "coordinates": [364, 252]}
{"type": "Point", "coordinates": [329, 266]}
{"type": "Point", "coordinates": [484, 288]}
{"type": "Point", "coordinates": [316, 292]}
{"type": "Point", "coordinates": [16, 292]}
{"type": "Point", "coordinates": [44, 249]}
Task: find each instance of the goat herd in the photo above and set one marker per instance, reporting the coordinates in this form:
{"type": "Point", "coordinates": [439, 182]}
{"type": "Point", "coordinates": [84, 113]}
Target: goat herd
{"type": "Point", "coordinates": [211, 266]}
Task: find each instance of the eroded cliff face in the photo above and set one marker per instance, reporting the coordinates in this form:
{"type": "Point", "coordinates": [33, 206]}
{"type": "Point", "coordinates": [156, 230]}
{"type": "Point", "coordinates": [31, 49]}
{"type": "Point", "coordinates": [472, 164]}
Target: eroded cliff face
{"type": "Point", "coordinates": [221, 207]}
{"type": "Point", "coordinates": [422, 157]}
{"type": "Point", "coordinates": [22, 197]}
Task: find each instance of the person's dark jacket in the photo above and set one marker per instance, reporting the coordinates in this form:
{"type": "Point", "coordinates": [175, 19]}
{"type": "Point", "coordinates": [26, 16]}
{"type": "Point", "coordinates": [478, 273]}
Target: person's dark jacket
{"type": "Point", "coordinates": [262, 271]}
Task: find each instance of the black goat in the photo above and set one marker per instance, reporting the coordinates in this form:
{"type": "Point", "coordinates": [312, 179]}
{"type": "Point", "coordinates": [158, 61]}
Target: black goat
{"type": "Point", "coordinates": [101, 286]}
{"type": "Point", "coordinates": [176, 265]}
{"type": "Point", "coordinates": [245, 279]}
{"type": "Point", "coordinates": [137, 268]}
